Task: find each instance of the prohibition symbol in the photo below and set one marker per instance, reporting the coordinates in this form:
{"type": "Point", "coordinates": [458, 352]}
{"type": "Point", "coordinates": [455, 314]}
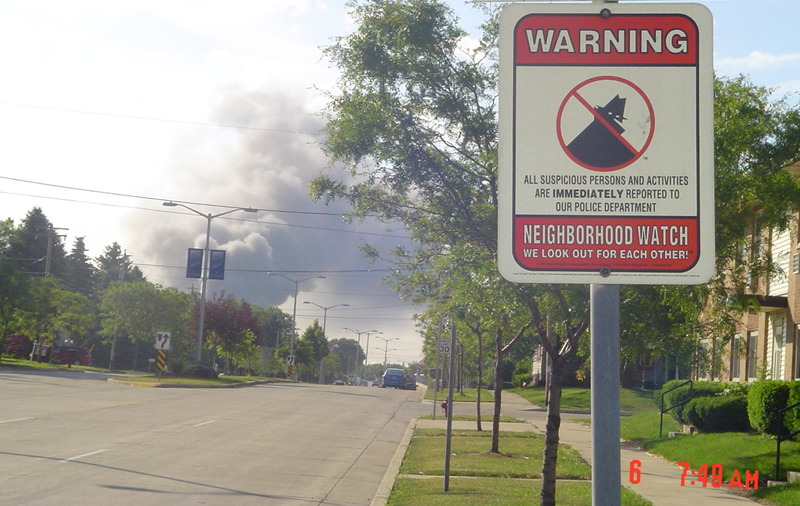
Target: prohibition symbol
{"type": "Point", "coordinates": [590, 123]}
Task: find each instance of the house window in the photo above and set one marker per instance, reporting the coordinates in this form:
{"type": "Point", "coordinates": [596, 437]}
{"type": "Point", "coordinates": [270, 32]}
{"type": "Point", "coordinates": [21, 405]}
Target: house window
{"type": "Point", "coordinates": [796, 263]}
{"type": "Point", "coordinates": [735, 357]}
{"type": "Point", "coordinates": [752, 353]}
{"type": "Point", "coordinates": [778, 343]}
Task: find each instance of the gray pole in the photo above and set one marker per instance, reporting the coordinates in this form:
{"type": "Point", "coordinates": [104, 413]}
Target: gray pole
{"type": "Point", "coordinates": [198, 352]}
{"type": "Point", "coordinates": [605, 395]}
{"type": "Point", "coordinates": [201, 318]}
{"type": "Point", "coordinates": [449, 405]}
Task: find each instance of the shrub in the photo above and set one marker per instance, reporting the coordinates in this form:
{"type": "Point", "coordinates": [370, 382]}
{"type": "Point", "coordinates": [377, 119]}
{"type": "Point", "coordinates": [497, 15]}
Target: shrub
{"type": "Point", "coordinates": [723, 413]}
{"type": "Point", "coordinates": [791, 419]}
{"type": "Point", "coordinates": [764, 400]}
{"type": "Point", "coordinates": [683, 394]}
{"type": "Point", "coordinates": [522, 379]}
{"type": "Point", "coordinates": [200, 371]}
{"type": "Point", "coordinates": [18, 346]}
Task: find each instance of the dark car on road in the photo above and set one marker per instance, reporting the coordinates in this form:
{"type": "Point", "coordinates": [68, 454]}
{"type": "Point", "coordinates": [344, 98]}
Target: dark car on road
{"type": "Point", "coordinates": [74, 355]}
{"type": "Point", "coordinates": [394, 378]}
{"type": "Point", "coordinates": [411, 384]}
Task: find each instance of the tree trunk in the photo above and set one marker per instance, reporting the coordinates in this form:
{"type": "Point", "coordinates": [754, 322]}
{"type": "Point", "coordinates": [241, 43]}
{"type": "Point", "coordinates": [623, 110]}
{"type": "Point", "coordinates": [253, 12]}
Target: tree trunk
{"type": "Point", "coordinates": [498, 389]}
{"type": "Point", "coordinates": [480, 379]}
{"type": "Point", "coordinates": [551, 434]}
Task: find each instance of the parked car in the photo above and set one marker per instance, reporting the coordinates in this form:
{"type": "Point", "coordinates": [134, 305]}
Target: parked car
{"type": "Point", "coordinates": [411, 384]}
{"type": "Point", "coordinates": [339, 382]}
{"type": "Point", "coordinates": [394, 378]}
{"type": "Point", "coordinates": [74, 355]}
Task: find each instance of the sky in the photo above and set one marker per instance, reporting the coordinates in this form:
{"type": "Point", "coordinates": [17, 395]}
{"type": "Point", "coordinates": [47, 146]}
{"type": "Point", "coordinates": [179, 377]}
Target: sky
{"type": "Point", "coordinates": [108, 109]}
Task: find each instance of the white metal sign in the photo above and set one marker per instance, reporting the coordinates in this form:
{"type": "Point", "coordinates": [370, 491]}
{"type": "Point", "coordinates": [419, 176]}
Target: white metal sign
{"type": "Point", "coordinates": [163, 341]}
{"type": "Point", "coordinates": [606, 144]}
{"type": "Point", "coordinates": [444, 346]}
{"type": "Point", "coordinates": [290, 359]}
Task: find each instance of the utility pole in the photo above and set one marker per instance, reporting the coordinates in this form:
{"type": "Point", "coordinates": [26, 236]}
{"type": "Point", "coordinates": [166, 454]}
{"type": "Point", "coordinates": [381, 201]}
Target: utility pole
{"type": "Point", "coordinates": [51, 239]}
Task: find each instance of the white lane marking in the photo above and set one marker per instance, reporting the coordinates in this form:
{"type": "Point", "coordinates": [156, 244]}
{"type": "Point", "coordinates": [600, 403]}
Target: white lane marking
{"type": "Point", "coordinates": [16, 420]}
{"type": "Point", "coordinates": [204, 423]}
{"type": "Point", "coordinates": [76, 457]}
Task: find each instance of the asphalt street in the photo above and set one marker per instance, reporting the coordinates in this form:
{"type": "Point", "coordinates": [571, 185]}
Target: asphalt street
{"type": "Point", "coordinates": [75, 438]}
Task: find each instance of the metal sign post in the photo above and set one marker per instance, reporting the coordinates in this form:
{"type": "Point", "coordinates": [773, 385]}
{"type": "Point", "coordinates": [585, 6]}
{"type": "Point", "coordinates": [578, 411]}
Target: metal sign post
{"type": "Point", "coordinates": [605, 394]}
{"type": "Point", "coordinates": [450, 406]}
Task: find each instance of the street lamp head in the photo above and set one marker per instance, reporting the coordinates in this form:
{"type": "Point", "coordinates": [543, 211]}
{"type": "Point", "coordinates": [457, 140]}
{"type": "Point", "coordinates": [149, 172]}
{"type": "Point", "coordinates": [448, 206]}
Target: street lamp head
{"type": "Point", "coordinates": [169, 204]}
{"type": "Point", "coordinates": [249, 209]}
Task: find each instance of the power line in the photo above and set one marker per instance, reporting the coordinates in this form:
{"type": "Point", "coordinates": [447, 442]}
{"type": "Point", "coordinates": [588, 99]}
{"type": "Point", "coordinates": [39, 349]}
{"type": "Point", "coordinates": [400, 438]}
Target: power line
{"type": "Point", "coordinates": [160, 120]}
{"type": "Point", "coordinates": [162, 199]}
{"type": "Point", "coordinates": [262, 222]}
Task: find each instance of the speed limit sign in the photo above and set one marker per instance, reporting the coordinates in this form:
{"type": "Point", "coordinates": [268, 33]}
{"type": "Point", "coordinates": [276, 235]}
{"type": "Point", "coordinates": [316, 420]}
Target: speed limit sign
{"type": "Point", "coordinates": [444, 346]}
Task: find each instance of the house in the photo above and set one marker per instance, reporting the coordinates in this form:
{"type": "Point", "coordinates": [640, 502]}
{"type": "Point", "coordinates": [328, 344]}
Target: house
{"type": "Point", "coordinates": [767, 338]}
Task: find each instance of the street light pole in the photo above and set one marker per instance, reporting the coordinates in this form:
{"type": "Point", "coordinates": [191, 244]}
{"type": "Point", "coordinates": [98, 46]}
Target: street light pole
{"type": "Point", "coordinates": [204, 274]}
{"type": "Point", "coordinates": [386, 347]}
{"type": "Point", "coordinates": [366, 357]}
{"type": "Point", "coordinates": [294, 308]}
{"type": "Point", "coordinates": [324, 323]}
{"type": "Point", "coordinates": [359, 332]}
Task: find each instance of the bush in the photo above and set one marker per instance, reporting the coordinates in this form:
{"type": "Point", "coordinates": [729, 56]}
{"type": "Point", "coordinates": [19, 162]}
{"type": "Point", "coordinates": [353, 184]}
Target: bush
{"type": "Point", "coordinates": [523, 379]}
{"type": "Point", "coordinates": [18, 346]}
{"type": "Point", "coordinates": [764, 400]}
{"type": "Point", "coordinates": [792, 418]}
{"type": "Point", "coordinates": [684, 394]}
{"type": "Point", "coordinates": [722, 413]}
{"type": "Point", "coordinates": [200, 371]}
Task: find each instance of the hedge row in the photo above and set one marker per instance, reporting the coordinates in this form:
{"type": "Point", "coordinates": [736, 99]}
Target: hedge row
{"type": "Point", "coordinates": [766, 398]}
{"type": "Point", "coordinates": [683, 396]}
{"type": "Point", "coordinates": [734, 407]}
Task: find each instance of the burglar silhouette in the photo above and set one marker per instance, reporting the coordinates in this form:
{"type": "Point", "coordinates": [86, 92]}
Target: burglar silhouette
{"type": "Point", "coordinates": [597, 146]}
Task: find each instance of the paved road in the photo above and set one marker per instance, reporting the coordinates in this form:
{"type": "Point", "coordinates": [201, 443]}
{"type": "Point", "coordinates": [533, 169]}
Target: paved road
{"type": "Point", "coordinates": [74, 438]}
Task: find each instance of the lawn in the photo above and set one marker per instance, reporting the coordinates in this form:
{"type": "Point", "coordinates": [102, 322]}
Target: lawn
{"type": "Point", "coordinates": [468, 395]}
{"type": "Point", "coordinates": [579, 399]}
{"type": "Point", "coordinates": [24, 363]}
{"type": "Point", "coordinates": [178, 380]}
{"type": "Point", "coordinates": [480, 478]}
{"type": "Point", "coordinates": [137, 376]}
{"type": "Point", "coordinates": [494, 492]}
{"type": "Point", "coordinates": [520, 455]}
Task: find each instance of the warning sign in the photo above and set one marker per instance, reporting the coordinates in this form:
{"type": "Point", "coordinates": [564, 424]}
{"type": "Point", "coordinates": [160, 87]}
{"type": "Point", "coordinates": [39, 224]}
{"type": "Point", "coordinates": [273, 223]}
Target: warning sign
{"type": "Point", "coordinates": [606, 159]}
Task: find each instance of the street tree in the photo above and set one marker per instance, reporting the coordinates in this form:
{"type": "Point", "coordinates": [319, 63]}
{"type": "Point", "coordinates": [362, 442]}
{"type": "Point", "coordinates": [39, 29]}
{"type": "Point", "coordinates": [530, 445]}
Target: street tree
{"type": "Point", "coordinates": [229, 324]}
{"type": "Point", "coordinates": [116, 265]}
{"type": "Point", "coordinates": [14, 297]}
{"type": "Point", "coordinates": [36, 246]}
{"type": "Point", "coordinates": [315, 348]}
{"type": "Point", "coordinates": [52, 313]}
{"type": "Point", "coordinates": [79, 271]}
{"type": "Point", "coordinates": [350, 355]}
{"type": "Point", "coordinates": [139, 310]}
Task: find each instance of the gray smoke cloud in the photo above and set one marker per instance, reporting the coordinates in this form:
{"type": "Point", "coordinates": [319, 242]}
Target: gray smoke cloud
{"type": "Point", "coordinates": [269, 165]}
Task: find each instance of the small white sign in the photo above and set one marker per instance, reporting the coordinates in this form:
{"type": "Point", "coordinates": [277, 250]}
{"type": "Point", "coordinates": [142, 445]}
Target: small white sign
{"type": "Point", "coordinates": [444, 346]}
{"type": "Point", "coordinates": [163, 341]}
{"type": "Point", "coordinates": [290, 360]}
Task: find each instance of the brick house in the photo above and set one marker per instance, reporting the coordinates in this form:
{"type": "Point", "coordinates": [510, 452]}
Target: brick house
{"type": "Point", "coordinates": [767, 343]}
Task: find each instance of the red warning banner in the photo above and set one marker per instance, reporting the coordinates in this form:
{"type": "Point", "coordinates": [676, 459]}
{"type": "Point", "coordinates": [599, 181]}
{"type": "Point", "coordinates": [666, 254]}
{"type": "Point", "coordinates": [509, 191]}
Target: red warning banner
{"type": "Point", "coordinates": [622, 39]}
{"type": "Point", "coordinates": [618, 244]}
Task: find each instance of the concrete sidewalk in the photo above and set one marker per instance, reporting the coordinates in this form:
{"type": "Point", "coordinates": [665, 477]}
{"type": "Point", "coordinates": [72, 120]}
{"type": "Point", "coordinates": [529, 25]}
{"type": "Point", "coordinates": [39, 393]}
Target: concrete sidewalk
{"type": "Point", "coordinates": [660, 480]}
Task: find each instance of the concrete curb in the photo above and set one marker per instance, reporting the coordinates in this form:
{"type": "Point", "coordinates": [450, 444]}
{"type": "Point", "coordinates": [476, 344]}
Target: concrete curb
{"type": "Point", "coordinates": [385, 488]}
